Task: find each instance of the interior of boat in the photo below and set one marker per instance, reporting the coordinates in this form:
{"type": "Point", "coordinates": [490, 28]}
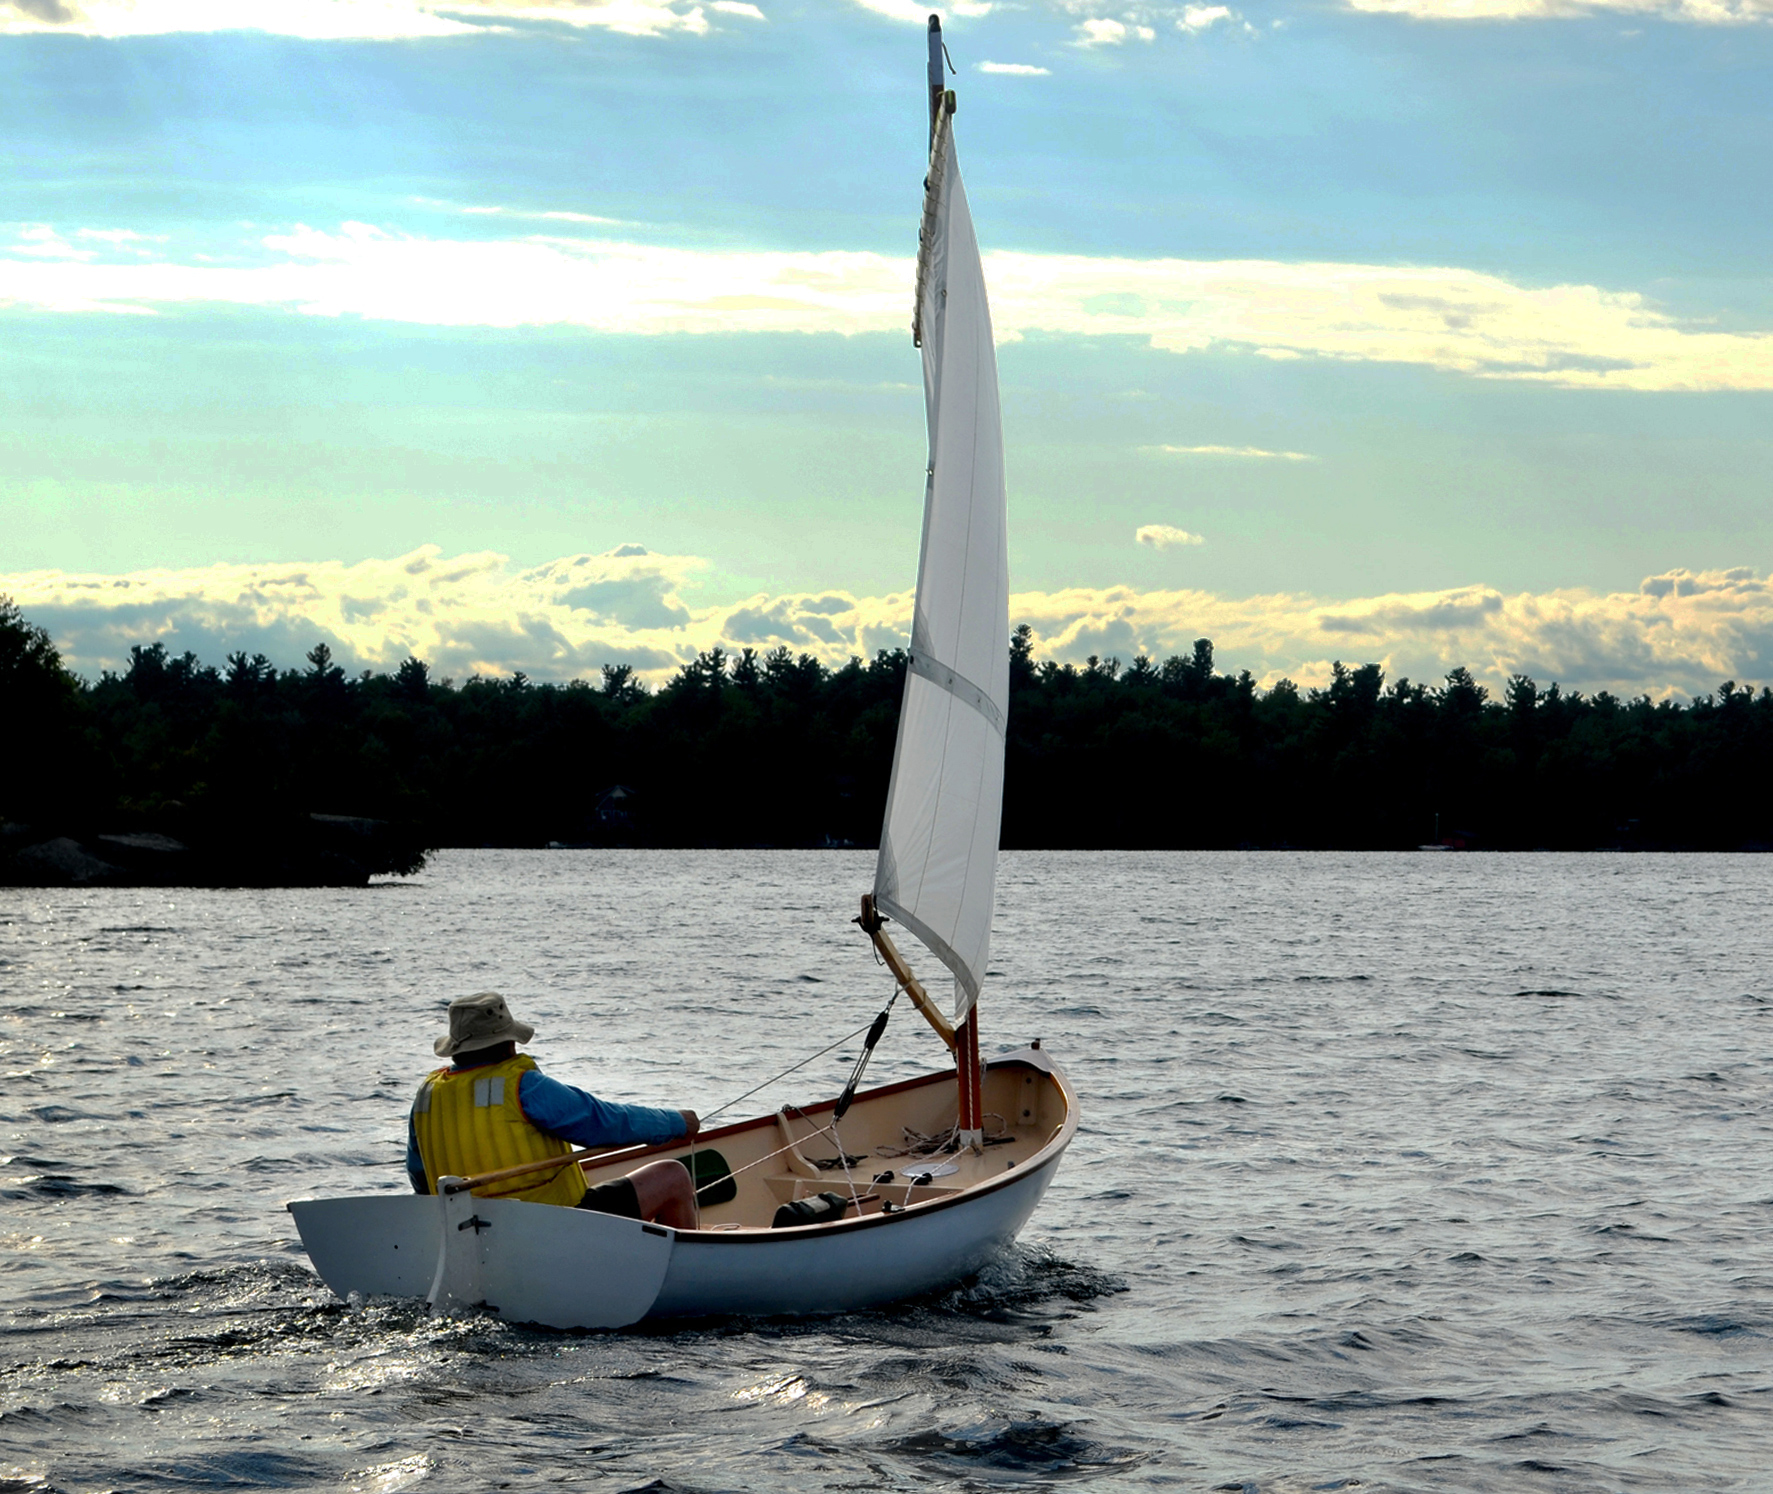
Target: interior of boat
{"type": "Point", "coordinates": [895, 1140]}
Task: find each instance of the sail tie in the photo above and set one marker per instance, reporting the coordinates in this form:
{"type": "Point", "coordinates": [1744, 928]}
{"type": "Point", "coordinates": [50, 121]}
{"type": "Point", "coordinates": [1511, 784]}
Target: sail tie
{"type": "Point", "coordinates": [957, 685]}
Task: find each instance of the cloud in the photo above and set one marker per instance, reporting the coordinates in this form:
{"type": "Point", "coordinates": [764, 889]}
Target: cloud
{"type": "Point", "coordinates": [1196, 18]}
{"type": "Point", "coordinates": [1015, 69]}
{"type": "Point", "coordinates": [1104, 31]}
{"type": "Point", "coordinates": [1680, 632]}
{"type": "Point", "coordinates": [1388, 617]}
{"type": "Point", "coordinates": [1701, 12]}
{"type": "Point", "coordinates": [463, 614]}
{"type": "Point", "coordinates": [1455, 320]}
{"type": "Point", "coordinates": [356, 20]}
{"type": "Point", "coordinates": [1230, 451]}
{"type": "Point", "coordinates": [557, 215]}
{"type": "Point", "coordinates": [1165, 536]}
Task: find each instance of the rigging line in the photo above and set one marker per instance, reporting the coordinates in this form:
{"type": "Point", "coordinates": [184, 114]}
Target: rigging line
{"type": "Point", "coordinates": [789, 1147]}
{"type": "Point", "coordinates": [787, 1071]}
{"type": "Point", "coordinates": [749, 1165]}
{"type": "Point", "coordinates": [849, 1093]}
{"type": "Point", "coordinates": [876, 1028]}
{"type": "Point", "coordinates": [843, 1157]}
{"type": "Point", "coordinates": [690, 1162]}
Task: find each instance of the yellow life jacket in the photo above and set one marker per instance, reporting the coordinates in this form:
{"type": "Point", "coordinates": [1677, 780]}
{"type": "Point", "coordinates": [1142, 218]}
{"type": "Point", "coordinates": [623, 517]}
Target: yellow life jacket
{"type": "Point", "coordinates": [468, 1121]}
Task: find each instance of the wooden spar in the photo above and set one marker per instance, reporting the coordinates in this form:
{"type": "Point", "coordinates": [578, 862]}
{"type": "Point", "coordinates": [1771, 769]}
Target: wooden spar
{"type": "Point", "coordinates": [873, 925]}
{"type": "Point", "coordinates": [962, 1041]}
{"type": "Point", "coordinates": [971, 1111]}
{"type": "Point", "coordinates": [480, 1180]}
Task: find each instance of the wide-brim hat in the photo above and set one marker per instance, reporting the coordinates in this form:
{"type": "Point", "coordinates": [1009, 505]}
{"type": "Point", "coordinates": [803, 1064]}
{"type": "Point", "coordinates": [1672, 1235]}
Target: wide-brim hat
{"type": "Point", "coordinates": [481, 1021]}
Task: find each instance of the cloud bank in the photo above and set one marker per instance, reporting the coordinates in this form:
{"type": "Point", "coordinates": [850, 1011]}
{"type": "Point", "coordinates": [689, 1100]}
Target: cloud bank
{"type": "Point", "coordinates": [1680, 632]}
{"type": "Point", "coordinates": [1460, 321]}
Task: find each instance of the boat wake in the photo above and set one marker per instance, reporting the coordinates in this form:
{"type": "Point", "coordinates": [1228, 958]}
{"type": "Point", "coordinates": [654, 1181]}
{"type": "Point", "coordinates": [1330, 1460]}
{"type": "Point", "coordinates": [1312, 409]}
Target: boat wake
{"type": "Point", "coordinates": [196, 1373]}
{"type": "Point", "coordinates": [277, 1308]}
{"type": "Point", "coordinates": [1027, 1277]}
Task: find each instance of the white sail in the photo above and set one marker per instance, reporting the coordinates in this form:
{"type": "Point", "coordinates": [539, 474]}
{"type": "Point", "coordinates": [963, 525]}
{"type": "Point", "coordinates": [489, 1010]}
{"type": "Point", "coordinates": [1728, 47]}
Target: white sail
{"type": "Point", "coordinates": [937, 872]}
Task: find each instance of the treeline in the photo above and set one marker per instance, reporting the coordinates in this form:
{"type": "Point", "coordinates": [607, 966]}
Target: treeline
{"type": "Point", "coordinates": [778, 750]}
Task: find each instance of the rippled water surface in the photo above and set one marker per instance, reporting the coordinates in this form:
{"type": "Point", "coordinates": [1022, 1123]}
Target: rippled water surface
{"type": "Point", "coordinates": [1396, 1172]}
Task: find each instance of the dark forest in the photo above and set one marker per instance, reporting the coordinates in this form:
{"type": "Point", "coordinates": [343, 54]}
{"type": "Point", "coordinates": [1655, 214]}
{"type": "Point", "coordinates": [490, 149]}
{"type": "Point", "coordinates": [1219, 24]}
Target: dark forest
{"type": "Point", "coordinates": [775, 750]}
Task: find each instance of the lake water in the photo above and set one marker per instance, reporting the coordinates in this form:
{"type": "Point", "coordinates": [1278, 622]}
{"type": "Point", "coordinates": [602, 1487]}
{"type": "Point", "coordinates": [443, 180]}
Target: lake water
{"type": "Point", "coordinates": [1431, 1172]}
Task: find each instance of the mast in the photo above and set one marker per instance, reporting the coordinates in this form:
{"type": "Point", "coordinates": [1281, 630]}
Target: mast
{"type": "Point", "coordinates": [937, 870]}
{"type": "Point", "coordinates": [938, 80]}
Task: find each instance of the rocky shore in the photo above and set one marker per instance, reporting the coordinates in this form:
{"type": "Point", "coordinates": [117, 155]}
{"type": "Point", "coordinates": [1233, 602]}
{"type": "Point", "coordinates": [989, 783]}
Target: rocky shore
{"type": "Point", "coordinates": [317, 850]}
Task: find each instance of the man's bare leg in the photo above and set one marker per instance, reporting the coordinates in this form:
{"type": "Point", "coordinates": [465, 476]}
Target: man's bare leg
{"type": "Point", "coordinates": [665, 1194]}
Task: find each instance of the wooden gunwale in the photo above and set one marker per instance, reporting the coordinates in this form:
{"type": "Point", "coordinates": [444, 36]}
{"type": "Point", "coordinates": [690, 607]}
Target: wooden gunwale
{"type": "Point", "coordinates": [600, 1160]}
{"type": "Point", "coordinates": [1046, 1156]}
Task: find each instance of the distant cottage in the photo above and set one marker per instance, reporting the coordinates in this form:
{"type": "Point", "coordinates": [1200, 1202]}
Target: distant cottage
{"type": "Point", "coordinates": [614, 814]}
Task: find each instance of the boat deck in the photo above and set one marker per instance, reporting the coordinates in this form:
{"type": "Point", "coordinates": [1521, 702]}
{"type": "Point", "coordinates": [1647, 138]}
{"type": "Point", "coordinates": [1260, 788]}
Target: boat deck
{"type": "Point", "coordinates": [792, 1155]}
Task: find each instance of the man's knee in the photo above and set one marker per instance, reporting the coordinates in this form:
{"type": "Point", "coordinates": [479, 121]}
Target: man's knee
{"type": "Point", "coordinates": [664, 1189]}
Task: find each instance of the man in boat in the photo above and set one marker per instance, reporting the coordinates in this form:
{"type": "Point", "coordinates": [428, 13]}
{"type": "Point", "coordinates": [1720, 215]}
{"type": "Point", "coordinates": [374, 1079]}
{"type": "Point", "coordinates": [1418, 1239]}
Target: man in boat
{"type": "Point", "coordinates": [493, 1108]}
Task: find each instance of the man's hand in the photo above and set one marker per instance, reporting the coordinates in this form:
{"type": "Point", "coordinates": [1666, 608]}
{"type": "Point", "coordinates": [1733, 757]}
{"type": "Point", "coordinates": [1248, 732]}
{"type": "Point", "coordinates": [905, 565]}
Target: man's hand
{"type": "Point", "coordinates": [691, 1122]}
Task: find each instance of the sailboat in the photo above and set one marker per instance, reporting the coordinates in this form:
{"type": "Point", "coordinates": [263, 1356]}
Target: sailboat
{"type": "Point", "coordinates": [874, 1195]}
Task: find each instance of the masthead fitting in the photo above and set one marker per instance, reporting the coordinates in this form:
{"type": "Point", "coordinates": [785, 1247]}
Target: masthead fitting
{"type": "Point", "coordinates": [938, 82]}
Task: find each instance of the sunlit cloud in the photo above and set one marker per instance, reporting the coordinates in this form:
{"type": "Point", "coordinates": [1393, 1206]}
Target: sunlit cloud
{"type": "Point", "coordinates": [463, 614]}
{"type": "Point", "coordinates": [1105, 31]}
{"type": "Point", "coordinates": [1165, 536]}
{"type": "Point", "coordinates": [1456, 320]}
{"type": "Point", "coordinates": [1015, 69]}
{"type": "Point", "coordinates": [1197, 18]}
{"type": "Point", "coordinates": [1257, 453]}
{"type": "Point", "coordinates": [1680, 632]}
{"type": "Point", "coordinates": [1701, 12]}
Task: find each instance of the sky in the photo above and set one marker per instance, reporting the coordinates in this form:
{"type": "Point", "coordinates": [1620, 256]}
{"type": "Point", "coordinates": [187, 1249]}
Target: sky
{"type": "Point", "coordinates": [537, 335]}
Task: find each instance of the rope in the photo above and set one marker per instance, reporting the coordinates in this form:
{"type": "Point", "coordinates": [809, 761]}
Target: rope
{"type": "Point", "coordinates": [697, 1193]}
{"type": "Point", "coordinates": [690, 1160]}
{"type": "Point", "coordinates": [749, 1165]}
{"type": "Point", "coordinates": [787, 1071]}
{"type": "Point", "coordinates": [917, 1144]}
{"type": "Point", "coordinates": [843, 1157]}
{"type": "Point", "coordinates": [769, 1156]}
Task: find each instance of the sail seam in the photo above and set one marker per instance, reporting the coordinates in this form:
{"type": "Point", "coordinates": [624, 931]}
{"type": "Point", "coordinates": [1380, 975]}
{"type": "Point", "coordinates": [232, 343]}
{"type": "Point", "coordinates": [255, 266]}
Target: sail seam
{"type": "Point", "coordinates": [959, 686]}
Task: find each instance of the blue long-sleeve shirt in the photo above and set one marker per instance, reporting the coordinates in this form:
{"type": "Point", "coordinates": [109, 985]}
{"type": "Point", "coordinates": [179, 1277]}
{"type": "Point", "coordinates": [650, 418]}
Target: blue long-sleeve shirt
{"type": "Point", "coordinates": [573, 1115]}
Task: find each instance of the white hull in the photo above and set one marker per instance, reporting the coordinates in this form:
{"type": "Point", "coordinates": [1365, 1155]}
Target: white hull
{"type": "Point", "coordinates": [572, 1268]}
{"type": "Point", "coordinates": [834, 1272]}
